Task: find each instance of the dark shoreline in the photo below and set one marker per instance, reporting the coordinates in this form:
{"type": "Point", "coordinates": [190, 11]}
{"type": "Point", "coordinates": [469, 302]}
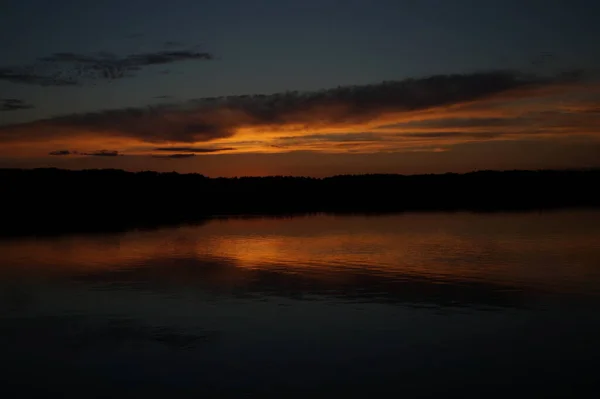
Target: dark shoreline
{"type": "Point", "coordinates": [55, 201]}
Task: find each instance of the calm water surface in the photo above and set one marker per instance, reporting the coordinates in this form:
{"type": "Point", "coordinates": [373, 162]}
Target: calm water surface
{"type": "Point", "coordinates": [418, 305]}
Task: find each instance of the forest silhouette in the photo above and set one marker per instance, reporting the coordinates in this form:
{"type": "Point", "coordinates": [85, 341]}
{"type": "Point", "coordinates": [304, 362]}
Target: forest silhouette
{"type": "Point", "coordinates": [51, 201]}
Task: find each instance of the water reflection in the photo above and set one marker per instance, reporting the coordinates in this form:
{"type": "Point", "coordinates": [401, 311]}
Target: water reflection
{"type": "Point", "coordinates": [331, 299]}
{"type": "Point", "coordinates": [350, 256]}
{"type": "Point", "coordinates": [225, 276]}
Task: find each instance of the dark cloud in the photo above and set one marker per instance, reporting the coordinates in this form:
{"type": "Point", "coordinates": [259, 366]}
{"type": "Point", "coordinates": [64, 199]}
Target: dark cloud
{"type": "Point", "coordinates": [174, 156]}
{"type": "Point", "coordinates": [13, 104]}
{"type": "Point", "coordinates": [193, 149]}
{"type": "Point", "coordinates": [67, 69]}
{"type": "Point", "coordinates": [163, 97]}
{"type": "Point", "coordinates": [114, 153]}
{"type": "Point", "coordinates": [208, 119]}
{"type": "Point", "coordinates": [164, 57]}
{"type": "Point", "coordinates": [151, 124]}
{"type": "Point", "coordinates": [60, 152]}
{"type": "Point", "coordinates": [102, 153]}
{"type": "Point", "coordinates": [98, 153]}
{"type": "Point", "coordinates": [32, 75]}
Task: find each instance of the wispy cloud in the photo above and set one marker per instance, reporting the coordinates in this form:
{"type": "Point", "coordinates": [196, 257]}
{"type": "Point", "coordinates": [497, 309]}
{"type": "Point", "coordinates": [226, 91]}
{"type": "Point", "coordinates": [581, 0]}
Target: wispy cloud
{"type": "Point", "coordinates": [174, 156]}
{"type": "Point", "coordinates": [69, 69]}
{"type": "Point", "coordinates": [96, 153]}
{"type": "Point", "coordinates": [102, 153]}
{"type": "Point", "coordinates": [193, 149]}
{"type": "Point", "coordinates": [31, 74]}
{"type": "Point", "coordinates": [13, 104]}
{"type": "Point", "coordinates": [60, 152]}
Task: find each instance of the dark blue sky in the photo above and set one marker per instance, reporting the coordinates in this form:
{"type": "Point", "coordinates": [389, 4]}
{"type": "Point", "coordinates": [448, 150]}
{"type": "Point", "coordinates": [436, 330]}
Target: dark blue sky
{"type": "Point", "coordinates": [272, 46]}
{"type": "Point", "coordinates": [269, 46]}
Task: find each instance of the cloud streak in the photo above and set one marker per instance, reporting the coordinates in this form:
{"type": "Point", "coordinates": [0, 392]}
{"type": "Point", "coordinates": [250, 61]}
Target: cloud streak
{"type": "Point", "coordinates": [13, 104]}
{"type": "Point", "coordinates": [61, 152]}
{"type": "Point", "coordinates": [193, 149]}
{"type": "Point", "coordinates": [71, 69]}
{"type": "Point", "coordinates": [102, 153]}
{"type": "Point", "coordinates": [410, 114]}
{"type": "Point", "coordinates": [174, 156]}
{"type": "Point", "coordinates": [96, 153]}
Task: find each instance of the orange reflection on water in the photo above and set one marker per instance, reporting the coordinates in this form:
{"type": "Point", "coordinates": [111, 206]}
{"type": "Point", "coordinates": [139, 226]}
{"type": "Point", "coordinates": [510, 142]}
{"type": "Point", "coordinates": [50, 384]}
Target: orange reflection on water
{"type": "Point", "coordinates": [550, 251]}
{"type": "Point", "coordinates": [550, 248]}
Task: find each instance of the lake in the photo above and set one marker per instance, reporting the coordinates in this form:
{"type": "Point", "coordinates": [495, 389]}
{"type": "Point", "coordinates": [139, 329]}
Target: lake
{"type": "Point", "coordinates": [411, 305]}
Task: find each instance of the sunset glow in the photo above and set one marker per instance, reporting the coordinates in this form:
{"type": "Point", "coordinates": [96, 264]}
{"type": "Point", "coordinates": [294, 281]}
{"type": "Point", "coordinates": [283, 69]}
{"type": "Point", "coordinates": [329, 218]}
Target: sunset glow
{"type": "Point", "coordinates": [181, 106]}
{"type": "Point", "coordinates": [562, 111]}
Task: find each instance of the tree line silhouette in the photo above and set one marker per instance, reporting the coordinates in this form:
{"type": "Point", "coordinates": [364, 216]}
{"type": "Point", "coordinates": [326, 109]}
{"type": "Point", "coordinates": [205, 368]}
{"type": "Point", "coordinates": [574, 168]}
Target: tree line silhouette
{"type": "Point", "coordinates": [38, 201]}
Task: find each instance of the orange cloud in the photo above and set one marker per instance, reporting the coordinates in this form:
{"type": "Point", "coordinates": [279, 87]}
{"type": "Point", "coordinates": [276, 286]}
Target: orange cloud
{"type": "Point", "coordinates": [429, 114]}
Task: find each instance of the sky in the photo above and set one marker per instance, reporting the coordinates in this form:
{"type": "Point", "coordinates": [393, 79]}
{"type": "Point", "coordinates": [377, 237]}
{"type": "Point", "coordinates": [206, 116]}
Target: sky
{"type": "Point", "coordinates": [313, 87]}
